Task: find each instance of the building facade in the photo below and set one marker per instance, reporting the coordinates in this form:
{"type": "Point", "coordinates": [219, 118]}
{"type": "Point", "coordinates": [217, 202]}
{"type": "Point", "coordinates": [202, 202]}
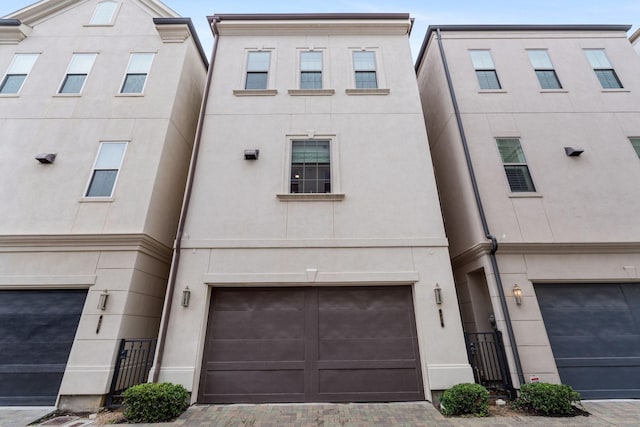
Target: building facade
{"type": "Point", "coordinates": [99, 102]}
{"type": "Point", "coordinates": [535, 137]}
{"type": "Point", "coordinates": [312, 246]}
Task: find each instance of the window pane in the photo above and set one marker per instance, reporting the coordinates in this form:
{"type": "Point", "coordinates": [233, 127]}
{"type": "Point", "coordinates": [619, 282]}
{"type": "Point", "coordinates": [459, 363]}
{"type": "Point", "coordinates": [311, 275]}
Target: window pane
{"type": "Point", "coordinates": [12, 83]}
{"type": "Point", "coordinates": [140, 63]}
{"type": "Point", "coordinates": [635, 142]}
{"type": "Point", "coordinates": [311, 61]}
{"type": "Point", "coordinates": [364, 61]}
{"type": "Point", "coordinates": [481, 59]}
{"type": "Point", "coordinates": [510, 150]}
{"type": "Point", "coordinates": [102, 183]}
{"type": "Point", "coordinates": [110, 155]}
{"type": "Point", "coordinates": [311, 80]}
{"type": "Point", "coordinates": [258, 61]}
{"type": "Point", "coordinates": [22, 63]}
{"type": "Point", "coordinates": [540, 59]}
{"type": "Point", "coordinates": [366, 80]}
{"type": "Point", "coordinates": [104, 13]}
{"type": "Point", "coordinates": [256, 81]}
{"type": "Point", "coordinates": [597, 58]}
{"type": "Point", "coordinates": [133, 83]}
{"type": "Point", "coordinates": [519, 178]}
{"type": "Point", "coordinates": [548, 79]}
{"type": "Point", "coordinates": [488, 79]}
{"type": "Point", "coordinates": [310, 167]}
{"type": "Point", "coordinates": [73, 83]}
{"type": "Point", "coordinates": [608, 79]}
{"type": "Point", "coordinates": [81, 63]}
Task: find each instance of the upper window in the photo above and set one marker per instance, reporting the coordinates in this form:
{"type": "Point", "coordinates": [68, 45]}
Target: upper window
{"type": "Point", "coordinates": [104, 13]}
{"type": "Point", "coordinates": [311, 70]}
{"type": "Point", "coordinates": [635, 142]}
{"type": "Point", "coordinates": [543, 67]}
{"type": "Point", "coordinates": [485, 70]}
{"type": "Point", "coordinates": [257, 70]}
{"type": "Point", "coordinates": [603, 69]}
{"type": "Point", "coordinates": [79, 68]}
{"type": "Point", "coordinates": [310, 166]}
{"type": "Point", "coordinates": [105, 169]}
{"type": "Point", "coordinates": [515, 165]}
{"type": "Point", "coordinates": [17, 73]}
{"type": "Point", "coordinates": [136, 77]}
{"type": "Point", "coordinates": [364, 65]}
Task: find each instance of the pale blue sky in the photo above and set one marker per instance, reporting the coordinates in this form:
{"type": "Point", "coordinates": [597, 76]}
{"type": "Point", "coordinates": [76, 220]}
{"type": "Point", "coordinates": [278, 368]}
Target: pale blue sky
{"type": "Point", "coordinates": [425, 12]}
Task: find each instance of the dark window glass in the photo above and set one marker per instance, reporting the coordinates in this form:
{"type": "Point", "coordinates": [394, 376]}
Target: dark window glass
{"type": "Point", "coordinates": [310, 167]}
{"type": "Point", "coordinates": [133, 83]}
{"type": "Point", "coordinates": [608, 79]}
{"type": "Point", "coordinates": [256, 80]}
{"type": "Point", "coordinates": [73, 83]}
{"type": "Point", "coordinates": [519, 178]}
{"type": "Point", "coordinates": [12, 83]}
{"type": "Point", "coordinates": [366, 80]}
{"type": "Point", "coordinates": [102, 183]}
{"type": "Point", "coordinates": [548, 79]}
{"type": "Point", "coordinates": [488, 79]}
{"type": "Point", "coordinates": [311, 80]}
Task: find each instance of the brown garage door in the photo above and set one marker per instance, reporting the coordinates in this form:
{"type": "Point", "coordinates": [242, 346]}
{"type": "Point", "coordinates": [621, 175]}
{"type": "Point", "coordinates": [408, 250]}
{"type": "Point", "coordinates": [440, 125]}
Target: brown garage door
{"type": "Point", "coordinates": [311, 345]}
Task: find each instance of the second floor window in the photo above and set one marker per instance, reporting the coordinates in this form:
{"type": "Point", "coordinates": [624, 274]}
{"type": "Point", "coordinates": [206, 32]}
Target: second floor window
{"type": "Point", "coordinates": [137, 71]}
{"type": "Point", "coordinates": [104, 13]}
{"type": "Point", "coordinates": [603, 68]}
{"type": "Point", "coordinates": [105, 169]}
{"type": "Point", "coordinates": [310, 166]}
{"type": "Point", "coordinates": [17, 73]}
{"type": "Point", "coordinates": [635, 142]}
{"type": "Point", "coordinates": [485, 70]}
{"type": "Point", "coordinates": [364, 65]}
{"type": "Point", "coordinates": [257, 70]}
{"type": "Point", "coordinates": [311, 70]}
{"type": "Point", "coordinates": [543, 67]}
{"type": "Point", "coordinates": [515, 165]}
{"type": "Point", "coordinates": [79, 68]}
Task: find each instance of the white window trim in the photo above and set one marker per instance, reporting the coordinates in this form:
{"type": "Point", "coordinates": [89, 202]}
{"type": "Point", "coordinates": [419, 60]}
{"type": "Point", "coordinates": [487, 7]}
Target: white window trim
{"type": "Point", "coordinates": [553, 68]}
{"type": "Point", "coordinates": [611, 67]}
{"type": "Point", "coordinates": [536, 192]}
{"type": "Point", "coordinates": [325, 58]}
{"type": "Point", "coordinates": [66, 73]}
{"type": "Point", "coordinates": [126, 72]}
{"type": "Point", "coordinates": [271, 73]}
{"type": "Point", "coordinates": [382, 88]}
{"type": "Point", "coordinates": [114, 17]}
{"type": "Point", "coordinates": [336, 194]}
{"type": "Point", "coordinates": [87, 198]}
{"type": "Point", "coordinates": [501, 89]}
{"type": "Point", "coordinates": [4, 76]}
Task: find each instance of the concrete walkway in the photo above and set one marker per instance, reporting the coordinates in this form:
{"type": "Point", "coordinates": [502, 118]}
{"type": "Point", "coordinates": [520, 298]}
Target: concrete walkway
{"type": "Point", "coordinates": [419, 414]}
{"type": "Point", "coordinates": [22, 416]}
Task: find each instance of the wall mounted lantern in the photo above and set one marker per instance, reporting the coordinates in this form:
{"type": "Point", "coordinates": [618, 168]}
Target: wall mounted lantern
{"type": "Point", "coordinates": [186, 296]}
{"type": "Point", "coordinates": [46, 158]}
{"type": "Point", "coordinates": [438, 294]}
{"type": "Point", "coordinates": [517, 294]}
{"type": "Point", "coordinates": [573, 151]}
{"type": "Point", "coordinates": [102, 302]}
{"type": "Point", "coordinates": [251, 154]}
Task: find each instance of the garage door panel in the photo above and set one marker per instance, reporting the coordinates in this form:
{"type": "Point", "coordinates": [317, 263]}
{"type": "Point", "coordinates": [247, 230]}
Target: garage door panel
{"type": "Point", "coordinates": [261, 300]}
{"type": "Point", "coordinates": [366, 349]}
{"type": "Point", "coordinates": [382, 299]}
{"type": "Point", "coordinates": [363, 324]}
{"type": "Point", "coordinates": [255, 382]}
{"type": "Point", "coordinates": [265, 350]}
{"type": "Point", "coordinates": [265, 324]}
{"type": "Point", "coordinates": [586, 379]}
{"type": "Point", "coordinates": [606, 346]}
{"type": "Point", "coordinates": [368, 381]}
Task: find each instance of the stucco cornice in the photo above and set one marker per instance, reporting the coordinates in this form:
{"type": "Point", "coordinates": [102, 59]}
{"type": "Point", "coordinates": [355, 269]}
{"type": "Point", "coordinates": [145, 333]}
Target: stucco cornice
{"type": "Point", "coordinates": [13, 31]}
{"type": "Point", "coordinates": [635, 36]}
{"type": "Point", "coordinates": [86, 242]}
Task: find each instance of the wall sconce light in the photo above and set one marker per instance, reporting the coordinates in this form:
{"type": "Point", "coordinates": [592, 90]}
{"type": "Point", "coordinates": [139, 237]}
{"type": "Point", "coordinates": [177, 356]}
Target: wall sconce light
{"type": "Point", "coordinates": [46, 158]}
{"type": "Point", "coordinates": [252, 154]}
{"type": "Point", "coordinates": [438, 294]}
{"type": "Point", "coordinates": [517, 294]}
{"type": "Point", "coordinates": [573, 151]}
{"type": "Point", "coordinates": [186, 296]}
{"type": "Point", "coordinates": [102, 302]}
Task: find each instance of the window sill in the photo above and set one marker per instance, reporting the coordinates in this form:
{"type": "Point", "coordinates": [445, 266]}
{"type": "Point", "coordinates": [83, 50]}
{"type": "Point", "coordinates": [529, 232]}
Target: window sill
{"type": "Point", "coordinates": [66, 95]}
{"type": "Point", "coordinates": [367, 91]}
{"type": "Point", "coordinates": [492, 91]}
{"type": "Point", "coordinates": [311, 197]}
{"type": "Point", "coordinates": [554, 91]}
{"type": "Point", "coordinates": [621, 90]}
{"type": "Point", "coordinates": [129, 95]}
{"type": "Point", "coordinates": [255, 92]}
{"type": "Point", "coordinates": [98, 25]}
{"type": "Point", "coordinates": [311, 92]}
{"type": "Point", "coordinates": [96, 200]}
{"type": "Point", "coordinates": [526, 195]}
{"type": "Point", "coordinates": [9, 95]}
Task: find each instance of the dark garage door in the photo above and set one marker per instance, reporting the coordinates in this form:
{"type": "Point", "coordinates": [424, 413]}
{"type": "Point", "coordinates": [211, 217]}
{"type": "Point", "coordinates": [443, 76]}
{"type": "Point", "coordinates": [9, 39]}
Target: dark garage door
{"type": "Point", "coordinates": [311, 345]}
{"type": "Point", "coordinates": [37, 329]}
{"type": "Point", "coordinates": [594, 331]}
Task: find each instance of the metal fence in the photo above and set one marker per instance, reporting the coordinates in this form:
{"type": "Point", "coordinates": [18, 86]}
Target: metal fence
{"type": "Point", "coordinates": [135, 358]}
{"type": "Point", "coordinates": [489, 362]}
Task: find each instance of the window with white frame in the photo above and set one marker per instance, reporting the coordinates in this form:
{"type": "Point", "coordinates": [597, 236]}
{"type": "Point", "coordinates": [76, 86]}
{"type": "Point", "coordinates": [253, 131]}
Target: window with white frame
{"type": "Point", "coordinates": [311, 70]}
{"type": "Point", "coordinates": [104, 13]}
{"type": "Point", "coordinates": [105, 169]}
{"type": "Point", "coordinates": [77, 72]}
{"type": "Point", "coordinates": [364, 65]}
{"type": "Point", "coordinates": [603, 68]}
{"type": "Point", "coordinates": [635, 142]}
{"type": "Point", "coordinates": [515, 165]}
{"type": "Point", "coordinates": [257, 70]}
{"type": "Point", "coordinates": [485, 69]}
{"type": "Point", "coordinates": [543, 67]}
{"type": "Point", "coordinates": [310, 166]}
{"type": "Point", "coordinates": [137, 71]}
{"type": "Point", "coordinates": [17, 73]}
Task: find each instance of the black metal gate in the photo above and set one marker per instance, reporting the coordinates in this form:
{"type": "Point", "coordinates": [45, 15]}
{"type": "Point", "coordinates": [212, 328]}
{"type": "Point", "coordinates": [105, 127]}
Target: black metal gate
{"type": "Point", "coordinates": [488, 360]}
{"type": "Point", "coordinates": [135, 358]}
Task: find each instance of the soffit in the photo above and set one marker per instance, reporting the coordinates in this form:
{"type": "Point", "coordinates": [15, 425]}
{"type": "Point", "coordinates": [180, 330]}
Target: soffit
{"type": "Point", "coordinates": [314, 27]}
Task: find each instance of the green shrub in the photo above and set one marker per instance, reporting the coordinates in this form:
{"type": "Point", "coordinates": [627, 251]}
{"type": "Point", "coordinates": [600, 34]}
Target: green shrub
{"type": "Point", "coordinates": [548, 399]}
{"type": "Point", "coordinates": [462, 399]}
{"type": "Point", "coordinates": [155, 402]}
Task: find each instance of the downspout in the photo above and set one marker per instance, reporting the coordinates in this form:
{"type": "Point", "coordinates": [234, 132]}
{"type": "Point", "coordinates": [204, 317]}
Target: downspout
{"type": "Point", "coordinates": [166, 313]}
{"type": "Point", "coordinates": [483, 218]}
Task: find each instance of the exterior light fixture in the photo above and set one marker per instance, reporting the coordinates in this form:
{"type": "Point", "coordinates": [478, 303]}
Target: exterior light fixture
{"type": "Point", "coordinates": [102, 302]}
{"type": "Point", "coordinates": [517, 294]}
{"type": "Point", "coordinates": [573, 151]}
{"type": "Point", "coordinates": [186, 296]}
{"type": "Point", "coordinates": [46, 158]}
{"type": "Point", "coordinates": [251, 154]}
{"type": "Point", "coordinates": [438, 294]}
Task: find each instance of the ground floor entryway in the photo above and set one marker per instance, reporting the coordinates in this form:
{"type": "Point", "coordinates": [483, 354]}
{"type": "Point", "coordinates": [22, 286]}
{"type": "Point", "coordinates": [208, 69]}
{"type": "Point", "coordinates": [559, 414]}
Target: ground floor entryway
{"type": "Point", "coordinates": [311, 344]}
{"type": "Point", "coordinates": [37, 329]}
{"type": "Point", "coordinates": [594, 331]}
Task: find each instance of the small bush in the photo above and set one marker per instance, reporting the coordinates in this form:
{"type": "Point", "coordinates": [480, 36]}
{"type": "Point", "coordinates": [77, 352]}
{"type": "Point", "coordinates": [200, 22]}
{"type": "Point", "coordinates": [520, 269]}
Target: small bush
{"type": "Point", "coordinates": [462, 399]}
{"type": "Point", "coordinates": [153, 402]}
{"type": "Point", "coordinates": [548, 399]}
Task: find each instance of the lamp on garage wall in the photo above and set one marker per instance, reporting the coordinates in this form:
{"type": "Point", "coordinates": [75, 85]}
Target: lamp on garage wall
{"type": "Point", "coordinates": [438, 294]}
{"type": "Point", "coordinates": [186, 296]}
{"type": "Point", "coordinates": [102, 302]}
{"type": "Point", "coordinates": [517, 294]}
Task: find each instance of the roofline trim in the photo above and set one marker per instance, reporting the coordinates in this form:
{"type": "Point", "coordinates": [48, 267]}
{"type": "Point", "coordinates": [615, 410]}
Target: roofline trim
{"type": "Point", "coordinates": [189, 23]}
{"type": "Point", "coordinates": [10, 22]}
{"type": "Point", "coordinates": [305, 16]}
